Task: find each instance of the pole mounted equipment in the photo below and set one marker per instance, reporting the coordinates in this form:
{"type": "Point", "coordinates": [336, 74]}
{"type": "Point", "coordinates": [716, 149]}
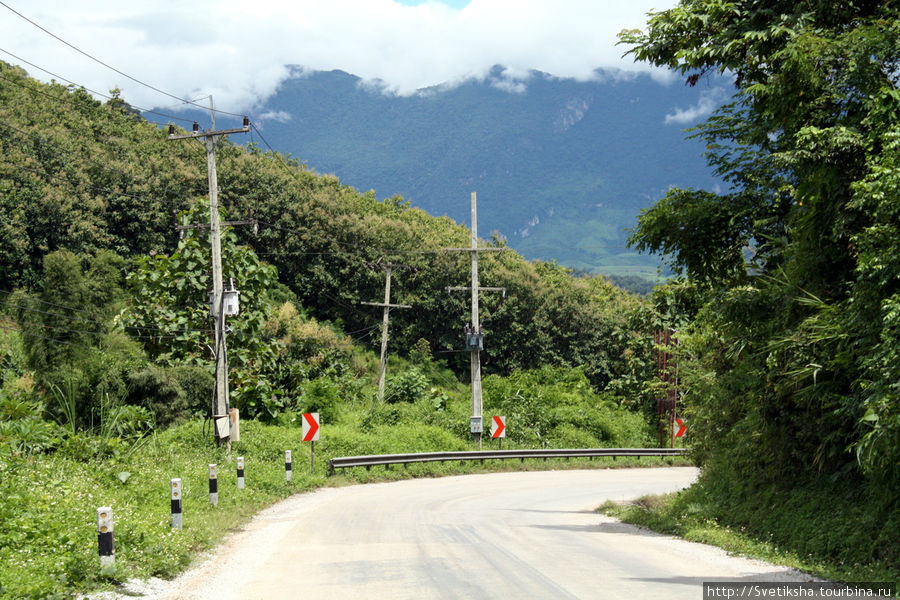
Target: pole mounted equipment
{"type": "Point", "coordinates": [473, 333]}
{"type": "Point", "coordinates": [220, 401]}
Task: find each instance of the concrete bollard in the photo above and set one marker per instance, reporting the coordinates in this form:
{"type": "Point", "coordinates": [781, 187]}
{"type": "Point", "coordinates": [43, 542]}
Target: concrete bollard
{"type": "Point", "coordinates": [240, 472]}
{"type": "Point", "coordinates": [176, 504]}
{"type": "Point", "coordinates": [105, 537]}
{"type": "Point", "coordinates": [214, 485]}
{"type": "Point", "coordinates": [287, 465]}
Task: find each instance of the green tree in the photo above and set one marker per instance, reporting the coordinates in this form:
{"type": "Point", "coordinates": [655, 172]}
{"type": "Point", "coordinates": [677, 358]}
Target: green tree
{"type": "Point", "coordinates": [796, 256]}
{"type": "Point", "coordinates": [69, 335]}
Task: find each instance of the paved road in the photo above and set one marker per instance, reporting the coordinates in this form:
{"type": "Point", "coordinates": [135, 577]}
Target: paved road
{"type": "Point", "coordinates": [505, 536]}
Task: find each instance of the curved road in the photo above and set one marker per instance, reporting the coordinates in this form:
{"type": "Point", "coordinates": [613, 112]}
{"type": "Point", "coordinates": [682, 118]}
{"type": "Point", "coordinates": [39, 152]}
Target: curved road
{"type": "Point", "coordinates": [506, 535]}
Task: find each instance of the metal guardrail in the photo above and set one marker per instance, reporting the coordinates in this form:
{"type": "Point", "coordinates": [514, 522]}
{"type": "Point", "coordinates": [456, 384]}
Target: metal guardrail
{"type": "Point", "coordinates": [346, 462]}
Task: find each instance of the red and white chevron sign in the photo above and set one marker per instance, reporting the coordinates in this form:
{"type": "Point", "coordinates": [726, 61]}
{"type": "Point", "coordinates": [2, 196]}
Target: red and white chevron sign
{"type": "Point", "coordinates": [498, 427]}
{"type": "Point", "coordinates": [310, 427]}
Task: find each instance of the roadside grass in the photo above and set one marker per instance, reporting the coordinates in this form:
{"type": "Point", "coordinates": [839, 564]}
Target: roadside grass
{"type": "Point", "coordinates": [694, 516]}
{"type": "Point", "coordinates": [48, 537]}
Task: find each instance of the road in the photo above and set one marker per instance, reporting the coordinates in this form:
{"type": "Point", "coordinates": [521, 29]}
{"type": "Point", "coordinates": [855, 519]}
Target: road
{"type": "Point", "coordinates": [506, 535]}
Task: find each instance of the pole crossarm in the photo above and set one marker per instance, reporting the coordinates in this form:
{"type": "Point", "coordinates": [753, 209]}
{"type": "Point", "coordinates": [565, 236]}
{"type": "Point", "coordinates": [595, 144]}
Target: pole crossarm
{"type": "Point", "coordinates": [202, 134]}
{"type": "Point", "coordinates": [480, 289]}
{"type": "Point", "coordinates": [386, 305]}
{"type": "Point", "coordinates": [206, 225]}
{"type": "Point", "coordinates": [484, 249]}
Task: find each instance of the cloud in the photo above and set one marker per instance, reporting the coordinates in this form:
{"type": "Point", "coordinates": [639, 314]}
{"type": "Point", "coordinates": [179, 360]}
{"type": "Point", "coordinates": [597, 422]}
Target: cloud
{"type": "Point", "coordinates": [709, 101]}
{"type": "Point", "coordinates": [279, 116]}
{"type": "Point", "coordinates": [239, 52]}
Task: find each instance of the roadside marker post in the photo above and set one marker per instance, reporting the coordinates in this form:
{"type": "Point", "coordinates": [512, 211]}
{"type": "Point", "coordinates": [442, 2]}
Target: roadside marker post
{"type": "Point", "coordinates": [214, 485]}
{"type": "Point", "coordinates": [287, 466]}
{"type": "Point", "coordinates": [240, 472]}
{"type": "Point", "coordinates": [498, 429]}
{"type": "Point", "coordinates": [175, 486]}
{"type": "Point", "coordinates": [311, 434]}
{"type": "Point", "coordinates": [105, 542]}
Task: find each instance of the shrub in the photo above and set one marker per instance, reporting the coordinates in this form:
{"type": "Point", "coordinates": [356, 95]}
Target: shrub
{"type": "Point", "coordinates": [321, 395]}
{"type": "Point", "coordinates": [28, 436]}
{"type": "Point", "coordinates": [409, 386]}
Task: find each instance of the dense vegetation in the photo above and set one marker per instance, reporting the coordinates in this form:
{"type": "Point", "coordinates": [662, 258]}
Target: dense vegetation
{"type": "Point", "coordinates": [105, 333]}
{"type": "Point", "coordinates": [789, 357]}
{"type": "Point", "coordinates": [91, 195]}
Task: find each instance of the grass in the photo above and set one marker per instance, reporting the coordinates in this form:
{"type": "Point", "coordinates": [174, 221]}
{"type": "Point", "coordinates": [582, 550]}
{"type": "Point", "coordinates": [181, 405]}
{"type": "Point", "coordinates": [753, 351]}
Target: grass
{"type": "Point", "coordinates": [48, 537]}
{"type": "Point", "coordinates": [836, 555]}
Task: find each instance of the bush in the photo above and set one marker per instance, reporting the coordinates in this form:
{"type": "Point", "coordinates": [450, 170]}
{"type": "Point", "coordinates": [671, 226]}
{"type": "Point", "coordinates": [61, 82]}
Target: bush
{"type": "Point", "coordinates": [409, 386]}
{"type": "Point", "coordinates": [155, 388]}
{"type": "Point", "coordinates": [28, 436]}
{"type": "Point", "coordinates": [536, 403]}
{"type": "Point", "coordinates": [321, 396]}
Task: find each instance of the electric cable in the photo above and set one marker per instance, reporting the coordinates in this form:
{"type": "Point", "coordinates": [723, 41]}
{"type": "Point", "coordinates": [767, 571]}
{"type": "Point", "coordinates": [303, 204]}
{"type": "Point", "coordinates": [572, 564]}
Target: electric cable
{"type": "Point", "coordinates": [70, 82]}
{"type": "Point", "coordinates": [97, 60]}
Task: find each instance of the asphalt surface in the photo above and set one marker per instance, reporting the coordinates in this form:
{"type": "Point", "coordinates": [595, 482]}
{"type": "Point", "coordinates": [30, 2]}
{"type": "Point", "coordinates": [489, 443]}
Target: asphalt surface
{"type": "Point", "coordinates": [506, 535]}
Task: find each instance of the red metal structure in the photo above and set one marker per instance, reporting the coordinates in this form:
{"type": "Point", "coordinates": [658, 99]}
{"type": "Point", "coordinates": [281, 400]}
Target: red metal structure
{"type": "Point", "coordinates": [667, 370]}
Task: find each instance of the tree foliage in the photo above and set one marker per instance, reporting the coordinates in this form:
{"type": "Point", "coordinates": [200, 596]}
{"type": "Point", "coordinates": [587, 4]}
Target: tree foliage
{"type": "Point", "coordinates": [789, 362]}
{"type": "Point", "coordinates": [86, 177]}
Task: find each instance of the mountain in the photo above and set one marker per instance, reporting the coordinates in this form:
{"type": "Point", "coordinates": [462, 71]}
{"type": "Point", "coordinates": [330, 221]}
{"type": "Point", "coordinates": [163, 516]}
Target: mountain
{"type": "Point", "coordinates": [561, 167]}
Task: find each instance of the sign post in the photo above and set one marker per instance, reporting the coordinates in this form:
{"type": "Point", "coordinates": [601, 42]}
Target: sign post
{"type": "Point", "coordinates": [498, 429]}
{"type": "Point", "coordinates": [311, 434]}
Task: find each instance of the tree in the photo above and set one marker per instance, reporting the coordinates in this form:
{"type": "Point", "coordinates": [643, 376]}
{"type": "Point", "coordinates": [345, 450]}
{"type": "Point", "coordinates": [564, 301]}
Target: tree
{"type": "Point", "coordinates": [796, 256]}
{"type": "Point", "coordinates": [70, 338]}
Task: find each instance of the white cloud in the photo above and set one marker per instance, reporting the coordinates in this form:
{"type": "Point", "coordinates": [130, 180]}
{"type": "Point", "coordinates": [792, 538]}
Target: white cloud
{"type": "Point", "coordinates": [709, 101]}
{"type": "Point", "coordinates": [239, 52]}
{"type": "Point", "coordinates": [279, 116]}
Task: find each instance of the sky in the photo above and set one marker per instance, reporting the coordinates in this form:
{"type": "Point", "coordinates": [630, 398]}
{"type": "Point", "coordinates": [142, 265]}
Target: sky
{"type": "Point", "coordinates": [241, 51]}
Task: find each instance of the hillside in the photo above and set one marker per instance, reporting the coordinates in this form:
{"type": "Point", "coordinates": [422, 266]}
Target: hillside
{"type": "Point", "coordinates": [561, 167]}
{"type": "Point", "coordinates": [86, 177]}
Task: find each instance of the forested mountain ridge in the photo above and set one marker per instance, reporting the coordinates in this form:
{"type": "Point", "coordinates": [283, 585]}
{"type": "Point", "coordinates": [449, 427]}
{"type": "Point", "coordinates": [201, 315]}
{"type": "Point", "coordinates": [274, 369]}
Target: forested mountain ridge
{"type": "Point", "coordinates": [89, 177]}
{"type": "Point", "coordinates": [561, 167]}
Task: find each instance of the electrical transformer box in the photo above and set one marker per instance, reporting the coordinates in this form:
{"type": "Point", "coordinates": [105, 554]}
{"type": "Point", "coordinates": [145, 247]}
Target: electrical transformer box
{"type": "Point", "coordinates": [231, 304]}
{"type": "Point", "coordinates": [474, 341]}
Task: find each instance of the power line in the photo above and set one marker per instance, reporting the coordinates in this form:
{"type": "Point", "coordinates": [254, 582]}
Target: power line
{"type": "Point", "coordinates": [63, 179]}
{"type": "Point", "coordinates": [44, 141]}
{"type": "Point", "coordinates": [161, 331]}
{"type": "Point", "coordinates": [108, 97]}
{"type": "Point", "coordinates": [97, 60]}
{"type": "Point", "coordinates": [78, 159]}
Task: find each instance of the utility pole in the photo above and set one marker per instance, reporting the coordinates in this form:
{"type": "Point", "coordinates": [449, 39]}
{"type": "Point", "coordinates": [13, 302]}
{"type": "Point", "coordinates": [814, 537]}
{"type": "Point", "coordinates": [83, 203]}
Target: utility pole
{"type": "Point", "coordinates": [474, 336]}
{"type": "Point", "coordinates": [220, 404]}
{"type": "Point", "coordinates": [388, 268]}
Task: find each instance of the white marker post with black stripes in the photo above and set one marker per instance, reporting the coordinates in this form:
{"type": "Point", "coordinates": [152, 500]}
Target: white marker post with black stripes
{"type": "Point", "coordinates": [176, 504]}
{"type": "Point", "coordinates": [214, 485]}
{"type": "Point", "coordinates": [240, 472]}
{"type": "Point", "coordinates": [287, 465]}
{"type": "Point", "coordinates": [105, 537]}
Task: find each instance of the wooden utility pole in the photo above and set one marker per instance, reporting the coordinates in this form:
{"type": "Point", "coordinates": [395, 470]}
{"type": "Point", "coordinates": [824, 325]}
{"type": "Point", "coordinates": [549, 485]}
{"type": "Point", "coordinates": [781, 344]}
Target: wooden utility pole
{"type": "Point", "coordinates": [220, 404]}
{"type": "Point", "coordinates": [474, 336]}
{"type": "Point", "coordinates": [388, 268]}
